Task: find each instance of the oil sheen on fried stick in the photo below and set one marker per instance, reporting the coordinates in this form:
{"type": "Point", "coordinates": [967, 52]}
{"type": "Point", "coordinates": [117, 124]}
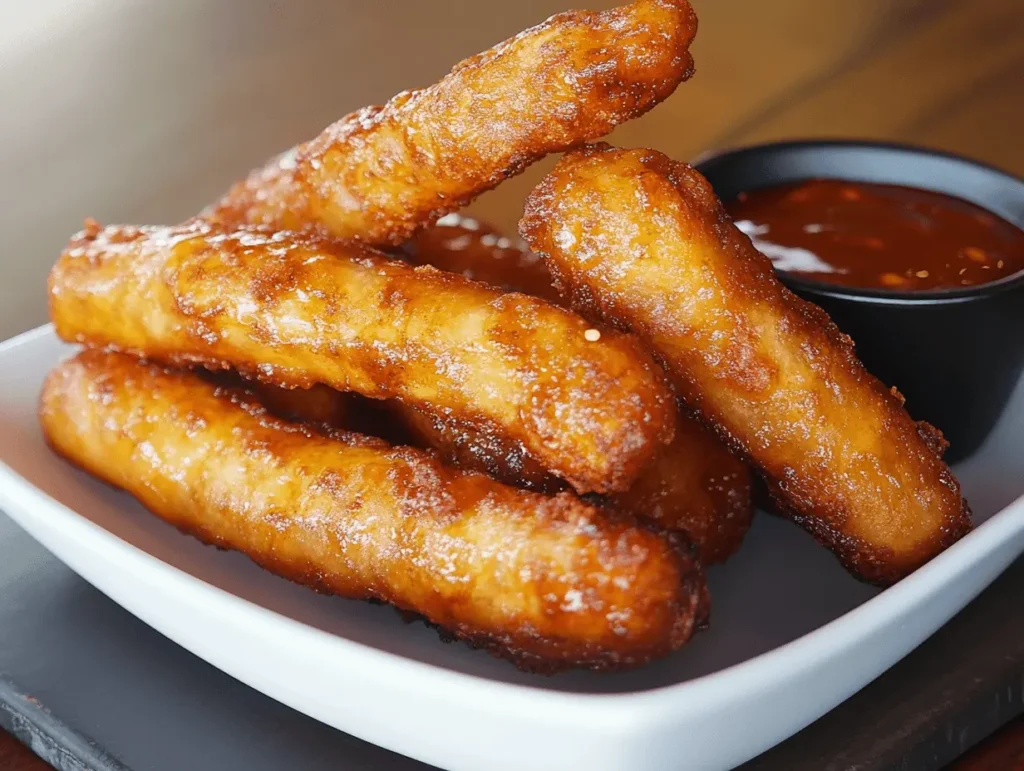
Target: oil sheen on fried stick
{"type": "Point", "coordinates": [297, 309]}
{"type": "Point", "coordinates": [640, 240]}
{"type": "Point", "coordinates": [696, 485]}
{"type": "Point", "coordinates": [380, 173]}
{"type": "Point", "coordinates": [547, 582]}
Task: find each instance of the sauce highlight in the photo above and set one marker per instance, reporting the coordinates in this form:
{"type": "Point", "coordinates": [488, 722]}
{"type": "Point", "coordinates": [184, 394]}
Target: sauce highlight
{"type": "Point", "coordinates": [878, 236]}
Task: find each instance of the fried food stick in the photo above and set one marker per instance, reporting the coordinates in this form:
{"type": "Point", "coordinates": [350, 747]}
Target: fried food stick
{"type": "Point", "coordinates": [463, 446]}
{"type": "Point", "coordinates": [637, 239]}
{"type": "Point", "coordinates": [547, 583]}
{"type": "Point", "coordinates": [380, 173]}
{"type": "Point", "coordinates": [696, 485]}
{"type": "Point", "coordinates": [457, 444]}
{"type": "Point", "coordinates": [296, 309]}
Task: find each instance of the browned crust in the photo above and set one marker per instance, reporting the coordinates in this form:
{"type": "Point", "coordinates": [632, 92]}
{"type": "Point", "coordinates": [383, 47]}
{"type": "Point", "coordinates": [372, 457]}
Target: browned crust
{"type": "Point", "coordinates": [295, 309]}
{"type": "Point", "coordinates": [698, 487]}
{"type": "Point", "coordinates": [381, 172]}
{"type": "Point", "coordinates": [694, 486]}
{"type": "Point", "coordinates": [465, 447]}
{"type": "Point", "coordinates": [547, 583]}
{"type": "Point", "coordinates": [768, 371]}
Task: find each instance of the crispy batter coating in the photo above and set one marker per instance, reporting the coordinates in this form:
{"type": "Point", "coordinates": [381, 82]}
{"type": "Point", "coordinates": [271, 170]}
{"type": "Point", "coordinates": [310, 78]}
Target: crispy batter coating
{"type": "Point", "coordinates": [547, 583]}
{"type": "Point", "coordinates": [696, 485]}
{"type": "Point", "coordinates": [460, 244]}
{"type": "Point", "coordinates": [638, 239]}
{"type": "Point", "coordinates": [462, 446]}
{"type": "Point", "coordinates": [380, 173]}
{"type": "Point", "coordinates": [456, 443]}
{"type": "Point", "coordinates": [474, 249]}
{"type": "Point", "coordinates": [297, 309]}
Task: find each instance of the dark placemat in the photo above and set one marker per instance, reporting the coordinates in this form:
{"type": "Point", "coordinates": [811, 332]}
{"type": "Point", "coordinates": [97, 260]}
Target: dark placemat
{"type": "Point", "coordinates": [88, 686]}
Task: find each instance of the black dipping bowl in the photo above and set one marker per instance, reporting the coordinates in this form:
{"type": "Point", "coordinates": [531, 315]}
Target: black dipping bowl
{"type": "Point", "coordinates": [955, 354]}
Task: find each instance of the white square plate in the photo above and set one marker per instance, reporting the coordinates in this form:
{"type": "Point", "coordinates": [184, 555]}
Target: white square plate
{"type": "Point", "coordinates": [792, 634]}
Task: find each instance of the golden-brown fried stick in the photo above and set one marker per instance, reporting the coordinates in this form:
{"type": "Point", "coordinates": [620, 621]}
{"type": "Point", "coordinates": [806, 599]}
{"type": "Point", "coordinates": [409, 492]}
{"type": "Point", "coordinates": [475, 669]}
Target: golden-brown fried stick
{"type": "Point", "coordinates": [696, 485]}
{"type": "Point", "coordinates": [636, 238]}
{"type": "Point", "coordinates": [380, 173]}
{"type": "Point", "coordinates": [460, 244]}
{"type": "Point", "coordinates": [456, 443]}
{"type": "Point", "coordinates": [463, 446]}
{"type": "Point", "coordinates": [546, 582]}
{"type": "Point", "coordinates": [297, 309]}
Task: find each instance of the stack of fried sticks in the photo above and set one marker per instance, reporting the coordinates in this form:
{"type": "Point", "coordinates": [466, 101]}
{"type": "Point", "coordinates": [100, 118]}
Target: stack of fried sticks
{"type": "Point", "coordinates": [640, 356]}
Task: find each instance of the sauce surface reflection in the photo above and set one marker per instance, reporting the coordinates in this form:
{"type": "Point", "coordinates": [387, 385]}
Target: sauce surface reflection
{"type": "Point", "coordinates": [878, 236]}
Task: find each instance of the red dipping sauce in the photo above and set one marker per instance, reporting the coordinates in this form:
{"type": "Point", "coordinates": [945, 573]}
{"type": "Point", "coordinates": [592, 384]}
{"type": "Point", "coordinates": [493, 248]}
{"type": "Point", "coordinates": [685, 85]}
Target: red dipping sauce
{"type": "Point", "coordinates": [878, 236]}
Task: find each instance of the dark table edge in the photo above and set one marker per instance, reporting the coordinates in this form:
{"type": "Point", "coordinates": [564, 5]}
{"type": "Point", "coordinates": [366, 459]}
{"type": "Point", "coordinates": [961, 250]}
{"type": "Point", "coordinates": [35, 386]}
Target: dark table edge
{"type": "Point", "coordinates": [946, 750]}
{"type": "Point", "coordinates": [69, 750]}
{"type": "Point", "coordinates": [981, 729]}
{"type": "Point", "coordinates": [978, 740]}
{"type": "Point", "coordinates": [53, 741]}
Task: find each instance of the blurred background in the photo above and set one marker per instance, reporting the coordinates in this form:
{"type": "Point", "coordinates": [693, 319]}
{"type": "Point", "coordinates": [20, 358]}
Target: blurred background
{"type": "Point", "coordinates": [143, 111]}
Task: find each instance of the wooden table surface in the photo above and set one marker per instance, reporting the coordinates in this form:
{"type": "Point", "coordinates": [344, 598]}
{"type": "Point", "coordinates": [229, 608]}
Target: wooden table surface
{"type": "Point", "coordinates": [945, 73]}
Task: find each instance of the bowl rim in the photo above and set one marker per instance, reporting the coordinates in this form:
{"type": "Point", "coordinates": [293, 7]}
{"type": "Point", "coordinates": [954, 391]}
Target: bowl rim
{"type": "Point", "coordinates": [868, 294]}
